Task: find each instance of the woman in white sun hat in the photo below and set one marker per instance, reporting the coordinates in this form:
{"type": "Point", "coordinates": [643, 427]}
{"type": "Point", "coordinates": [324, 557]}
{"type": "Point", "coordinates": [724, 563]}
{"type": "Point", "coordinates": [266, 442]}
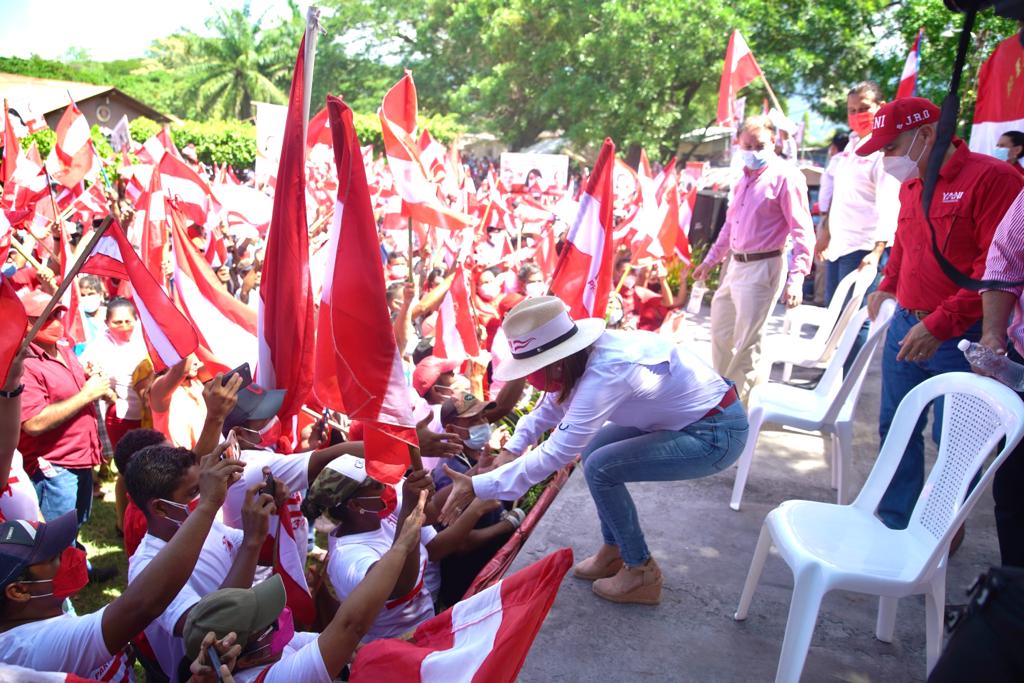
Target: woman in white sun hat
{"type": "Point", "coordinates": [636, 407]}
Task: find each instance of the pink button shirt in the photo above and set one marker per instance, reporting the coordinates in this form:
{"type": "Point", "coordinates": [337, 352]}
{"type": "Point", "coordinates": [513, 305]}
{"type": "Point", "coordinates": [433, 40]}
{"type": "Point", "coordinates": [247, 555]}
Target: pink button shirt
{"type": "Point", "coordinates": [1006, 262]}
{"type": "Point", "coordinates": [768, 207]}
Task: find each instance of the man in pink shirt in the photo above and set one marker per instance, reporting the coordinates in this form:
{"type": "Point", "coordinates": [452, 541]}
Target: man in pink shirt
{"type": "Point", "coordinates": [768, 208]}
{"type": "Point", "coordinates": [1006, 262]}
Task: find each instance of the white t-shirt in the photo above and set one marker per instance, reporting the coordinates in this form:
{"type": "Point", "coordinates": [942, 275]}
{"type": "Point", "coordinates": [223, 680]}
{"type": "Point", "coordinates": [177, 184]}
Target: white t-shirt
{"type": "Point", "coordinates": [300, 661]}
{"type": "Point", "coordinates": [19, 499]}
{"type": "Point", "coordinates": [292, 469]}
{"type": "Point", "coordinates": [119, 360]}
{"type": "Point", "coordinates": [215, 560]}
{"type": "Point", "coordinates": [66, 643]}
{"type": "Point", "coordinates": [352, 556]}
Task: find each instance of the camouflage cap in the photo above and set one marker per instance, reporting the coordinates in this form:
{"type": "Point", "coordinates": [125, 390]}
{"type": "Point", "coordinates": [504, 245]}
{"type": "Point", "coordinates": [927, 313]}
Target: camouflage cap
{"type": "Point", "coordinates": [342, 477]}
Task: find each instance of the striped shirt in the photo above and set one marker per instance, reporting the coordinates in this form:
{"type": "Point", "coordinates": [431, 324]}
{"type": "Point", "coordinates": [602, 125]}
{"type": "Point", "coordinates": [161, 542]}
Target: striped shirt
{"type": "Point", "coordinates": [1006, 262]}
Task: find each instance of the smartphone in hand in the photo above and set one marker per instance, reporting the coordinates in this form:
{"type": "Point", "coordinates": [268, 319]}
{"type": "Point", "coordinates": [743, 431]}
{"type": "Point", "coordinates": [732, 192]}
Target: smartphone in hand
{"type": "Point", "coordinates": [269, 486]}
{"type": "Point", "coordinates": [244, 371]}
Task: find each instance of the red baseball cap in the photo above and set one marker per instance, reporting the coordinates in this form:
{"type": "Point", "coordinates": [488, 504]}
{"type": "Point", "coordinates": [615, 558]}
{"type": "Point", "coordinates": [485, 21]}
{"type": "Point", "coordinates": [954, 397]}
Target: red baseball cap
{"type": "Point", "coordinates": [428, 370]}
{"type": "Point", "coordinates": [896, 117]}
{"type": "Point", "coordinates": [35, 301]}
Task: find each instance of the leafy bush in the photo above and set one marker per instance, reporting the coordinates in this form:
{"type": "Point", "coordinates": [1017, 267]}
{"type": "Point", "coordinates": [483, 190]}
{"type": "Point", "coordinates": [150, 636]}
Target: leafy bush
{"type": "Point", "coordinates": [44, 140]}
{"type": "Point", "coordinates": [217, 142]}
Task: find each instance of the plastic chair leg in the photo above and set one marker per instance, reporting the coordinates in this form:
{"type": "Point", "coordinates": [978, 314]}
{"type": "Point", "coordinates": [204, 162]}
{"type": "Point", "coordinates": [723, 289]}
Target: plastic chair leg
{"type": "Point", "coordinates": [787, 372]}
{"type": "Point", "coordinates": [934, 614]}
{"type": "Point", "coordinates": [885, 626]}
{"type": "Point", "coordinates": [830, 457]}
{"type": "Point", "coordinates": [842, 460]}
{"type": "Point", "coordinates": [764, 543]}
{"type": "Point", "coordinates": [808, 590]}
{"type": "Point", "coordinates": [743, 465]}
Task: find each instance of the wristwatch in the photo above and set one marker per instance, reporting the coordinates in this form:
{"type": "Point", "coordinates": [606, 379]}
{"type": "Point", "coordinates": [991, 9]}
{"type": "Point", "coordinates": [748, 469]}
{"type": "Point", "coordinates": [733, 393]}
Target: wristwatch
{"type": "Point", "coordinates": [12, 394]}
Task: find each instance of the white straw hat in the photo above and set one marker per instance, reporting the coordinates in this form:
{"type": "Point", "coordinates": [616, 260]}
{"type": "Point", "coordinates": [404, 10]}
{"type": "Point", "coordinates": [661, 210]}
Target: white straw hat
{"type": "Point", "coordinates": [539, 332]}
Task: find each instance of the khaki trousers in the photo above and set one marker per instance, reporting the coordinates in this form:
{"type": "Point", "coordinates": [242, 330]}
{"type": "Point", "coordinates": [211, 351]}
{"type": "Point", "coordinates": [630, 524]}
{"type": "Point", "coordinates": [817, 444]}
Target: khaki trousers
{"type": "Point", "coordinates": [739, 312]}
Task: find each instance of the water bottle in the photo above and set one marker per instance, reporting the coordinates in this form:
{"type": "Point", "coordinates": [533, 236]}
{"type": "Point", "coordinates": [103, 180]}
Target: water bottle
{"type": "Point", "coordinates": [697, 293]}
{"type": "Point", "coordinates": [991, 363]}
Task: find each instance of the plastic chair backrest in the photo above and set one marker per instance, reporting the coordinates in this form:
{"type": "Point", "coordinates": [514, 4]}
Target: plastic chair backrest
{"type": "Point", "coordinates": [845, 400]}
{"type": "Point", "coordinates": [831, 380]}
{"type": "Point", "coordinates": [834, 308]}
{"type": "Point", "coordinates": [977, 413]}
{"type": "Point", "coordinates": [862, 280]}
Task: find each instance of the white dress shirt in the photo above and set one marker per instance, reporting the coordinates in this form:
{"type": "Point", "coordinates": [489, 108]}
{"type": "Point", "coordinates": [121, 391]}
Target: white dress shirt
{"type": "Point", "coordinates": [863, 204]}
{"type": "Point", "coordinates": [633, 379]}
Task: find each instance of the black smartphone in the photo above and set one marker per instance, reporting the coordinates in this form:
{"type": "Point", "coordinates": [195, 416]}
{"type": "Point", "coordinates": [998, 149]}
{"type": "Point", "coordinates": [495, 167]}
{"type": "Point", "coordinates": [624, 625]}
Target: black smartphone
{"type": "Point", "coordinates": [211, 653]}
{"type": "Point", "coordinates": [270, 486]}
{"type": "Point", "coordinates": [242, 370]}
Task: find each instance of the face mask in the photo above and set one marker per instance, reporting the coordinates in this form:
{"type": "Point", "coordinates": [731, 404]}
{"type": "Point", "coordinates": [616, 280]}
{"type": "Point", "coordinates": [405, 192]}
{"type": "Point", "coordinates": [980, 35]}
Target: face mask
{"type": "Point", "coordinates": [860, 122]}
{"type": "Point", "coordinates": [390, 498]}
{"type": "Point", "coordinates": [488, 291]}
{"type": "Point", "coordinates": [90, 303]}
{"type": "Point", "coordinates": [188, 508]}
{"type": "Point", "coordinates": [1001, 153]}
{"type": "Point", "coordinates": [479, 435]}
{"type": "Point", "coordinates": [903, 168]}
{"type": "Point", "coordinates": [282, 634]}
{"type": "Point", "coordinates": [539, 380]}
{"type": "Point", "coordinates": [270, 433]}
{"type": "Point", "coordinates": [71, 577]}
{"type": "Point", "coordinates": [535, 289]}
{"type": "Point", "coordinates": [121, 334]}
{"type": "Point", "coordinates": [51, 332]}
{"type": "Point", "coordinates": [756, 159]}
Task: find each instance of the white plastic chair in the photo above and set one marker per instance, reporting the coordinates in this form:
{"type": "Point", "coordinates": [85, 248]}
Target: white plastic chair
{"type": "Point", "coordinates": [827, 409]}
{"type": "Point", "coordinates": [846, 547]}
{"type": "Point", "coordinates": [791, 348]}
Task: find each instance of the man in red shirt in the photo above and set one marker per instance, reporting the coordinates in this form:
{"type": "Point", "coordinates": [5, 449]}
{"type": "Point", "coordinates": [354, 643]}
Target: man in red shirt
{"type": "Point", "coordinates": [59, 434]}
{"type": "Point", "coordinates": [972, 193]}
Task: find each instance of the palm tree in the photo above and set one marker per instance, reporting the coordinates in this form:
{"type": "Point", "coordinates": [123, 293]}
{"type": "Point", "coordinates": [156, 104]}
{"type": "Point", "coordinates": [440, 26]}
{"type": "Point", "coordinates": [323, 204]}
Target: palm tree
{"type": "Point", "coordinates": [240, 63]}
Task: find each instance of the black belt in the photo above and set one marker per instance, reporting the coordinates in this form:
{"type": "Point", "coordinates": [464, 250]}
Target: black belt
{"type": "Point", "coordinates": [756, 256]}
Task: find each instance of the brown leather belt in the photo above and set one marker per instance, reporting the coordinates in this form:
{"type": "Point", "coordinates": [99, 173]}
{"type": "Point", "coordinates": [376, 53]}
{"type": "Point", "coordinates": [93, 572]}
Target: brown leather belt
{"type": "Point", "coordinates": [730, 397]}
{"type": "Point", "coordinates": [756, 256]}
{"type": "Point", "coordinates": [919, 314]}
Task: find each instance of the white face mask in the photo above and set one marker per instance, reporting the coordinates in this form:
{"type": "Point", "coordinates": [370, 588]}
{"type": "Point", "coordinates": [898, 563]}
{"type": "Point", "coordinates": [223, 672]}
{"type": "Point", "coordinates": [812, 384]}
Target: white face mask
{"type": "Point", "coordinates": [755, 159]}
{"type": "Point", "coordinates": [90, 303]}
{"type": "Point", "coordinates": [1001, 153]}
{"type": "Point", "coordinates": [536, 289]}
{"type": "Point", "coordinates": [903, 168]}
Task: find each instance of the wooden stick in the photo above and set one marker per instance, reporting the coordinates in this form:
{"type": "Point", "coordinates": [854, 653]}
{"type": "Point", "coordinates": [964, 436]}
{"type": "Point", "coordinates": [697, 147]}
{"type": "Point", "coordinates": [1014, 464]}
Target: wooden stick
{"type": "Point", "coordinates": [622, 280]}
{"type": "Point", "coordinates": [55, 299]}
{"type": "Point", "coordinates": [330, 423]}
{"type": "Point", "coordinates": [20, 248]}
{"type": "Point", "coordinates": [414, 458]}
{"type": "Point", "coordinates": [409, 265]}
{"type": "Point", "coordinates": [771, 94]}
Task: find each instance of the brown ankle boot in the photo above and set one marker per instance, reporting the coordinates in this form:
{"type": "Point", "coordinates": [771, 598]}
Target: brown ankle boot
{"type": "Point", "coordinates": [640, 585]}
{"type": "Point", "coordinates": [600, 565]}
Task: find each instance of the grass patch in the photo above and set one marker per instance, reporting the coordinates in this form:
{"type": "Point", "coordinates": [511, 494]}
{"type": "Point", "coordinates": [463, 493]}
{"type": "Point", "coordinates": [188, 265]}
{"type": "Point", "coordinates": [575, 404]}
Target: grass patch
{"type": "Point", "coordinates": [104, 548]}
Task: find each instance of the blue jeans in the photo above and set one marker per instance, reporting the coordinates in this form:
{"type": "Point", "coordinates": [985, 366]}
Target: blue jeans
{"type": "Point", "coordinates": [70, 489]}
{"type": "Point", "coordinates": [898, 378]}
{"type": "Point", "coordinates": [835, 271]}
{"type": "Point", "coordinates": [617, 455]}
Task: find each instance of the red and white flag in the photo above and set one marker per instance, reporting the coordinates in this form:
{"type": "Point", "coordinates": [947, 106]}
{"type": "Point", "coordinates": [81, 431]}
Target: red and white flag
{"type": "Point", "coordinates": [187, 189]}
{"type": "Point", "coordinates": [289, 554]}
{"type": "Point", "coordinates": [153, 149]}
{"type": "Point", "coordinates": [358, 367]}
{"type": "Point", "coordinates": [739, 70]}
{"type": "Point", "coordinates": [286, 326]}
{"type": "Point", "coordinates": [169, 334]}
{"type": "Point", "coordinates": [20, 172]}
{"type": "Point", "coordinates": [72, 157]}
{"type": "Point", "coordinates": [908, 79]}
{"type": "Point", "coordinates": [1000, 105]}
{"type": "Point", "coordinates": [225, 326]}
{"type": "Point", "coordinates": [74, 326]}
{"type": "Point", "coordinates": [455, 334]}
{"type": "Point", "coordinates": [419, 195]}
{"type": "Point", "coordinates": [12, 312]}
{"type": "Point", "coordinates": [483, 639]}
{"type": "Point", "coordinates": [583, 276]}
{"type": "Point", "coordinates": [152, 238]}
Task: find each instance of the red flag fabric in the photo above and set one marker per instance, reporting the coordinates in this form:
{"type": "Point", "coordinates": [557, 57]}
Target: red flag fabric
{"type": "Point", "coordinates": [169, 335]}
{"type": "Point", "coordinates": [21, 173]}
{"type": "Point", "coordinates": [318, 132]}
{"type": "Point", "coordinates": [455, 334]}
{"type": "Point", "coordinates": [484, 639]}
{"type": "Point", "coordinates": [688, 201]}
{"type": "Point", "coordinates": [74, 327]}
{"type": "Point", "coordinates": [908, 79]}
{"type": "Point", "coordinates": [285, 323]}
{"type": "Point", "coordinates": [12, 312]}
{"type": "Point", "coordinates": [419, 195]}
{"type": "Point", "coordinates": [72, 149]}
{"type": "Point", "coordinates": [225, 327]}
{"type": "Point", "coordinates": [738, 71]}
{"type": "Point", "coordinates": [583, 277]}
{"type": "Point", "coordinates": [187, 189]}
{"type": "Point", "coordinates": [1000, 105]}
{"type": "Point", "coordinates": [153, 149]}
{"type": "Point", "coordinates": [11, 149]}
{"type": "Point", "coordinates": [289, 553]}
{"type": "Point", "coordinates": [358, 367]}
{"type": "Point", "coordinates": [152, 215]}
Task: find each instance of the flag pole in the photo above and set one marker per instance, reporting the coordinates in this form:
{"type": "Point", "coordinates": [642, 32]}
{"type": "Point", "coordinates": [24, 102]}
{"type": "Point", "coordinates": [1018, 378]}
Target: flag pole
{"type": "Point", "coordinates": [771, 94]}
{"type": "Point", "coordinates": [55, 299]}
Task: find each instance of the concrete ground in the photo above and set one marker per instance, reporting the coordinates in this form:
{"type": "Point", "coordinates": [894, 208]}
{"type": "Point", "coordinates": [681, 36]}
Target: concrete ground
{"type": "Point", "coordinates": [704, 550]}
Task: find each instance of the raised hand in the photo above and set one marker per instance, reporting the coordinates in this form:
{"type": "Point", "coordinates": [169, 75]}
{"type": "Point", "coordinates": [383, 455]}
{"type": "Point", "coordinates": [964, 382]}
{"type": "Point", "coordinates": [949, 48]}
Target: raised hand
{"type": "Point", "coordinates": [461, 496]}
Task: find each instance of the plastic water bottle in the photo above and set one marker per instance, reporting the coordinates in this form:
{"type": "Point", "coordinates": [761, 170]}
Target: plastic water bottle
{"type": "Point", "coordinates": [697, 293]}
{"type": "Point", "coordinates": [991, 363]}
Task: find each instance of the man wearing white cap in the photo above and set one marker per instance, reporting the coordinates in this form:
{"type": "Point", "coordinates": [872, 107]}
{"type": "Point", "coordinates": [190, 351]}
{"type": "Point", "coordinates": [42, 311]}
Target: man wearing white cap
{"type": "Point", "coordinates": [669, 417]}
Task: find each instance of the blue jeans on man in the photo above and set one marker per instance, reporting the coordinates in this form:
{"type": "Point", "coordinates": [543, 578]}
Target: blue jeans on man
{"type": "Point", "coordinates": [68, 489]}
{"type": "Point", "coordinates": [898, 378]}
{"type": "Point", "coordinates": [617, 455]}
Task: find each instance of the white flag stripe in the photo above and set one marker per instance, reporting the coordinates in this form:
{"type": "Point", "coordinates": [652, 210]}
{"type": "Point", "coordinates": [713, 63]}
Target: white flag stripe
{"type": "Point", "coordinates": [332, 250]}
{"type": "Point", "coordinates": [232, 344]}
{"type": "Point", "coordinates": [454, 349]}
{"type": "Point", "coordinates": [475, 624]}
{"type": "Point", "coordinates": [157, 339]}
{"type": "Point", "coordinates": [76, 137]}
{"type": "Point", "coordinates": [985, 135]}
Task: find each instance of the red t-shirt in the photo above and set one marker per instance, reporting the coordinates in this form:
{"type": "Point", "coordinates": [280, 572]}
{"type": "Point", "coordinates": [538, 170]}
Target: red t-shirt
{"type": "Point", "coordinates": [972, 194]}
{"type": "Point", "coordinates": [135, 527]}
{"type": "Point", "coordinates": [76, 442]}
{"type": "Point", "coordinates": [650, 310]}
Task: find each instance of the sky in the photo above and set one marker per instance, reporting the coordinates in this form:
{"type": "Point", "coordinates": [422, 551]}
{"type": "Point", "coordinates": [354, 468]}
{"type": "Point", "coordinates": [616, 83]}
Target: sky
{"type": "Point", "coordinates": [106, 29]}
